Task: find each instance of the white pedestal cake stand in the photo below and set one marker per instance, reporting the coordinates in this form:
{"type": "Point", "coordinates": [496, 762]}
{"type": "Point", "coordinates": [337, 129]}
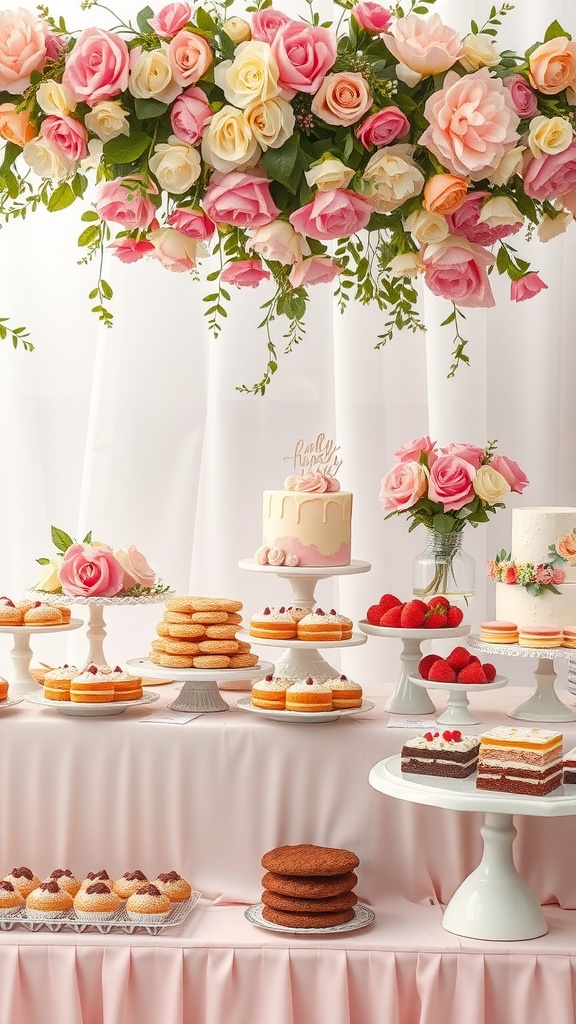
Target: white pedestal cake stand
{"type": "Point", "coordinates": [457, 712]}
{"type": "Point", "coordinates": [301, 658]}
{"type": "Point", "coordinates": [96, 631]}
{"type": "Point", "coordinates": [22, 652]}
{"type": "Point", "coordinates": [200, 693]}
{"type": "Point", "coordinates": [494, 902]}
{"type": "Point", "coordinates": [544, 705]}
{"type": "Point", "coordinates": [408, 699]}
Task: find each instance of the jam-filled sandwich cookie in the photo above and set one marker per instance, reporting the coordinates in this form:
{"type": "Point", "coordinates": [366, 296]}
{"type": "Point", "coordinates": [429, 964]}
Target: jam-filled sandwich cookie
{"type": "Point", "coordinates": [97, 902]}
{"type": "Point", "coordinates": [148, 905]}
{"type": "Point", "coordinates": [130, 882]}
{"type": "Point", "coordinates": [176, 888]}
{"type": "Point", "coordinates": [273, 624]}
{"type": "Point", "coordinates": [540, 636]}
{"type": "Point", "coordinates": [58, 681]}
{"type": "Point", "coordinates": [10, 615]}
{"type": "Point", "coordinates": [309, 695]}
{"type": "Point", "coordinates": [48, 900]}
{"type": "Point", "coordinates": [499, 632]}
{"type": "Point", "coordinates": [65, 879]}
{"type": "Point", "coordinates": [43, 615]}
{"type": "Point", "coordinates": [270, 693]}
{"type": "Point", "coordinates": [3, 688]}
{"type": "Point", "coordinates": [10, 897]}
{"type": "Point", "coordinates": [23, 879]}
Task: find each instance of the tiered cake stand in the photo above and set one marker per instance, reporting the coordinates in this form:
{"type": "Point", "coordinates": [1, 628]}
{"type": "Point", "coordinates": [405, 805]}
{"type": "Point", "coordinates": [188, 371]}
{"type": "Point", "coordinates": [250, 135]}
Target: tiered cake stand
{"type": "Point", "coordinates": [22, 681]}
{"type": "Point", "coordinates": [302, 658]}
{"type": "Point", "coordinates": [200, 694]}
{"type": "Point", "coordinates": [407, 698]}
{"type": "Point", "coordinates": [494, 902]}
{"type": "Point", "coordinates": [544, 705]}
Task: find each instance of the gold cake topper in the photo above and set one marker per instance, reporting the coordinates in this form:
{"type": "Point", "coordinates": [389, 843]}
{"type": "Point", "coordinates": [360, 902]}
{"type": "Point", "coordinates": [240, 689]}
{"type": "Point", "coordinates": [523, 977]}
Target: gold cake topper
{"type": "Point", "coordinates": [320, 455]}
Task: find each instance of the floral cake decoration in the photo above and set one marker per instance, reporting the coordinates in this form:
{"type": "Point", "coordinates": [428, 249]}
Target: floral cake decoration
{"type": "Point", "coordinates": [546, 576]}
{"type": "Point", "coordinates": [93, 569]}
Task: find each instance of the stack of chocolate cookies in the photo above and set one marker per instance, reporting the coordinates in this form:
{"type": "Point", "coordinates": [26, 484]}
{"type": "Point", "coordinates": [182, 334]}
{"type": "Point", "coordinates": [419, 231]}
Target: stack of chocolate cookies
{"type": "Point", "coordinates": [309, 886]}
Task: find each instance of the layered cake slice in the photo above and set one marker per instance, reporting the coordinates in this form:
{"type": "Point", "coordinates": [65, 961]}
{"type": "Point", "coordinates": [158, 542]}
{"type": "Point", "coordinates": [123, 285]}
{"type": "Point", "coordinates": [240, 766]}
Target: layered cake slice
{"type": "Point", "coordinates": [570, 768]}
{"type": "Point", "coordinates": [449, 755]}
{"type": "Point", "coordinates": [520, 761]}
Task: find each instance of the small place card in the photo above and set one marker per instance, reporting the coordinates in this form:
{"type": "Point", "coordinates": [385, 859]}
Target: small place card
{"type": "Point", "coordinates": [169, 718]}
{"type": "Point", "coordinates": [411, 723]}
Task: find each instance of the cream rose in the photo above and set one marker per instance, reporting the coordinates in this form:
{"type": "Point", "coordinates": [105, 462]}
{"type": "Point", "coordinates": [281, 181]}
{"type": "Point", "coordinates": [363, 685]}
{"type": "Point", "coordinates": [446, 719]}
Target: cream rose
{"type": "Point", "coordinates": [279, 241]}
{"type": "Point", "coordinates": [550, 227]}
{"type": "Point", "coordinates": [175, 165]}
{"type": "Point", "coordinates": [427, 227]}
{"type": "Point", "coordinates": [407, 264]}
{"type": "Point", "coordinates": [107, 120]}
{"type": "Point", "coordinates": [272, 122]}
{"type": "Point", "coordinates": [55, 98]}
{"type": "Point", "coordinates": [500, 211]}
{"type": "Point", "coordinates": [391, 177]}
{"type": "Point", "coordinates": [228, 143]}
{"type": "Point", "coordinates": [45, 161]}
{"type": "Point", "coordinates": [490, 486]}
{"type": "Point", "coordinates": [237, 30]}
{"type": "Point", "coordinates": [252, 75]}
{"type": "Point", "coordinates": [479, 51]}
{"type": "Point", "coordinates": [549, 135]}
{"type": "Point", "coordinates": [152, 77]}
{"type": "Point", "coordinates": [329, 174]}
{"type": "Point", "coordinates": [510, 164]}
{"type": "Point", "coordinates": [49, 579]}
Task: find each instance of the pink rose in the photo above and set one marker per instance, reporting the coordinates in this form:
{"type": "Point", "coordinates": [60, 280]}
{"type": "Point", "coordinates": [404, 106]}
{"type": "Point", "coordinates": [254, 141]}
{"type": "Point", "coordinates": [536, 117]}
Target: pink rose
{"type": "Point", "coordinates": [170, 19]}
{"type": "Point", "coordinates": [316, 270]}
{"type": "Point", "coordinates": [469, 452]}
{"type": "Point", "coordinates": [342, 99]}
{"type": "Point", "coordinates": [510, 470]}
{"type": "Point", "coordinates": [192, 222]}
{"type": "Point", "coordinates": [464, 221]}
{"type": "Point", "coordinates": [123, 201]}
{"type": "Point", "coordinates": [558, 576]}
{"type": "Point", "coordinates": [314, 482]}
{"type": "Point", "coordinates": [22, 49]}
{"type": "Point", "coordinates": [511, 575]}
{"type": "Point", "coordinates": [548, 177]}
{"type": "Point", "coordinates": [451, 482]}
{"type": "Point", "coordinates": [330, 215]}
{"type": "Point", "coordinates": [97, 68]}
{"type": "Point", "coordinates": [412, 452]}
{"type": "Point", "coordinates": [67, 135]}
{"type": "Point", "coordinates": [543, 574]}
{"type": "Point", "coordinates": [524, 100]}
{"type": "Point", "coordinates": [266, 24]}
{"type": "Point", "coordinates": [423, 45]}
{"type": "Point", "coordinates": [54, 45]}
{"type": "Point", "coordinates": [190, 57]}
{"type": "Point", "coordinates": [456, 270]}
{"type": "Point", "coordinates": [88, 571]}
{"type": "Point", "coordinates": [403, 486]}
{"type": "Point", "coordinates": [131, 250]}
{"type": "Point", "coordinates": [372, 17]}
{"type": "Point", "coordinates": [472, 124]}
{"type": "Point", "coordinates": [383, 127]}
{"type": "Point", "coordinates": [136, 568]}
{"type": "Point", "coordinates": [245, 273]}
{"type": "Point", "coordinates": [526, 288]}
{"type": "Point", "coordinates": [304, 55]}
{"type": "Point", "coordinates": [190, 115]}
{"type": "Point", "coordinates": [240, 199]}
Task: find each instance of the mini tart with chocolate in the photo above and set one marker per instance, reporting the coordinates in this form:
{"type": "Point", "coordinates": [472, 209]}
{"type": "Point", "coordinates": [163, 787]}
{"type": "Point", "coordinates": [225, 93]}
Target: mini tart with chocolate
{"type": "Point", "coordinates": [273, 624]}
{"type": "Point", "coordinates": [23, 879]}
{"type": "Point", "coordinates": [48, 900]}
{"type": "Point", "coordinates": [345, 693]}
{"type": "Point", "coordinates": [96, 903]}
{"type": "Point", "coordinates": [97, 876]}
{"type": "Point", "coordinates": [43, 615]}
{"type": "Point", "coordinates": [126, 687]}
{"type": "Point", "coordinates": [65, 879]}
{"type": "Point", "coordinates": [57, 682]}
{"type": "Point", "coordinates": [148, 905]}
{"type": "Point", "coordinates": [309, 695]}
{"type": "Point", "coordinates": [3, 688]}
{"type": "Point", "coordinates": [270, 693]}
{"type": "Point", "coordinates": [130, 882]}
{"type": "Point", "coordinates": [92, 687]}
{"type": "Point", "coordinates": [10, 898]}
{"type": "Point", "coordinates": [10, 615]}
{"type": "Point", "coordinates": [176, 888]}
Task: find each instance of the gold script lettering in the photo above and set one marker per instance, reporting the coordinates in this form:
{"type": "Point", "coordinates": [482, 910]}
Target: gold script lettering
{"type": "Point", "coordinates": [320, 455]}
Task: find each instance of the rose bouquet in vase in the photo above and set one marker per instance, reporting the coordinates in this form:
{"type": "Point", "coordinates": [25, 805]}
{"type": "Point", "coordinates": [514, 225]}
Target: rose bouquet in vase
{"type": "Point", "coordinates": [443, 489]}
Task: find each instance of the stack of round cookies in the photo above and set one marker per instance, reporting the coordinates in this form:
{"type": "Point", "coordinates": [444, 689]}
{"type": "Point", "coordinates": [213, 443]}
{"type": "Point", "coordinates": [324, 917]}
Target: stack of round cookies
{"type": "Point", "coordinates": [200, 632]}
{"type": "Point", "coordinates": [309, 886]}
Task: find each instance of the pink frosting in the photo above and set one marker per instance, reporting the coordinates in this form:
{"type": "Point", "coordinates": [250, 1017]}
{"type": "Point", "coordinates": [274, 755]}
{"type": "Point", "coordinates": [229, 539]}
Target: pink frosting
{"type": "Point", "coordinates": [308, 554]}
{"type": "Point", "coordinates": [313, 482]}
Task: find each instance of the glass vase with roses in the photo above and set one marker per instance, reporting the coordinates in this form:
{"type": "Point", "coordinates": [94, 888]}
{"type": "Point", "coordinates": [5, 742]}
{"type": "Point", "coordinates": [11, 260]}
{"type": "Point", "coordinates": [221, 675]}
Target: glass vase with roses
{"type": "Point", "coordinates": [444, 489]}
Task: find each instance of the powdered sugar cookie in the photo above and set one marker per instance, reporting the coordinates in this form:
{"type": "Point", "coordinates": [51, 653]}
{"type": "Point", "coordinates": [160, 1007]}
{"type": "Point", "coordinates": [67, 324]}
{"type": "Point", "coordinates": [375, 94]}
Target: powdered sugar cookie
{"type": "Point", "coordinates": [221, 632]}
{"type": "Point", "coordinates": [218, 647]}
{"type": "Point", "coordinates": [186, 631]}
{"type": "Point", "coordinates": [43, 615]}
{"type": "Point", "coordinates": [185, 647]}
{"type": "Point", "coordinates": [243, 660]}
{"type": "Point", "coordinates": [211, 661]}
{"type": "Point", "coordinates": [214, 618]}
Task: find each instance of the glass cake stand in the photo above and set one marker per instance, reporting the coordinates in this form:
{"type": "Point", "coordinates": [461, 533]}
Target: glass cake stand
{"type": "Point", "coordinates": [200, 694]}
{"type": "Point", "coordinates": [544, 705]}
{"type": "Point", "coordinates": [22, 652]}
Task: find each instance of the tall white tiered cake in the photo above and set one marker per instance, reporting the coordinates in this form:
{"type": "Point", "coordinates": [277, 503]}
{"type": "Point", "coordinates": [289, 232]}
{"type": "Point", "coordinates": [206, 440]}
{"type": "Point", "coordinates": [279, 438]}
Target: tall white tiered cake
{"type": "Point", "coordinates": [534, 532]}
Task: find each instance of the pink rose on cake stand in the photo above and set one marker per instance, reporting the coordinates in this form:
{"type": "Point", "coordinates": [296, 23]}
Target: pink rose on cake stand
{"type": "Point", "coordinates": [91, 572]}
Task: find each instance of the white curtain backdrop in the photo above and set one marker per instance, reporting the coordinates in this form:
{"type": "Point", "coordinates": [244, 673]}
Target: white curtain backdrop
{"type": "Point", "coordinates": [139, 434]}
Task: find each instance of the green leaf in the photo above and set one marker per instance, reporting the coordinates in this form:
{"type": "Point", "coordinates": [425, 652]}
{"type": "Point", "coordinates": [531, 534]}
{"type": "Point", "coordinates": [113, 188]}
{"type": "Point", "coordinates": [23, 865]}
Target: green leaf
{"type": "Point", "coordinates": [149, 108]}
{"type": "Point", "coordinates": [122, 150]}
{"type": "Point", "coordinates": [61, 540]}
{"type": "Point", "coordinates": [88, 538]}
{"type": "Point", "coordinates": [554, 31]}
{"type": "Point", "coordinates": [89, 215]}
{"type": "Point", "coordinates": [205, 21]}
{"type": "Point", "coordinates": [142, 20]}
{"type": "Point", "coordinates": [443, 523]}
{"type": "Point", "coordinates": [11, 151]}
{"type": "Point", "coordinates": [89, 235]}
{"type": "Point", "coordinates": [106, 290]}
{"type": "Point", "coordinates": [62, 197]}
{"type": "Point", "coordinates": [79, 185]}
{"type": "Point", "coordinates": [43, 561]}
{"type": "Point", "coordinates": [281, 164]}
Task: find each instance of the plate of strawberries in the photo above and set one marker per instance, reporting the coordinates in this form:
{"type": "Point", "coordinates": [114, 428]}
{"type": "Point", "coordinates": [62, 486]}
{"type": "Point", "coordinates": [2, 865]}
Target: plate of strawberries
{"type": "Point", "coordinates": [459, 672]}
{"type": "Point", "coordinates": [393, 617]}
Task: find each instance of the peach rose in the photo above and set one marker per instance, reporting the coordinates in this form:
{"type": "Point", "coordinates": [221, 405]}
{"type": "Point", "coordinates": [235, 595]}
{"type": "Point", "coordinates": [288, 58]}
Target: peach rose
{"type": "Point", "coordinates": [472, 123]}
{"type": "Point", "coordinates": [406, 264]}
{"type": "Point", "coordinates": [316, 270]}
{"type": "Point", "coordinates": [15, 127]}
{"type": "Point", "coordinates": [553, 66]}
{"type": "Point", "coordinates": [403, 486]}
{"type": "Point", "coordinates": [391, 177]}
{"type": "Point", "coordinates": [566, 547]}
{"type": "Point", "coordinates": [443, 193]}
{"type": "Point", "coordinates": [22, 49]}
{"type": "Point", "coordinates": [342, 99]}
{"type": "Point", "coordinates": [190, 56]}
{"type": "Point", "coordinates": [176, 252]}
{"type": "Point", "coordinates": [136, 568]}
{"type": "Point", "coordinates": [278, 242]}
{"type": "Point", "coordinates": [424, 46]}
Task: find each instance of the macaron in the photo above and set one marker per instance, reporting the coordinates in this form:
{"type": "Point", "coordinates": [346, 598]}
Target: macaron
{"type": "Point", "coordinates": [540, 636]}
{"type": "Point", "coordinates": [499, 632]}
{"type": "Point", "coordinates": [569, 638]}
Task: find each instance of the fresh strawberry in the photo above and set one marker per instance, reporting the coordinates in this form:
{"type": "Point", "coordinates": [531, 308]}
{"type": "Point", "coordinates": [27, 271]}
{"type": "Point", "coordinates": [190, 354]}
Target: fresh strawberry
{"type": "Point", "coordinates": [474, 660]}
{"type": "Point", "coordinates": [392, 617]}
{"type": "Point", "coordinates": [459, 658]}
{"type": "Point", "coordinates": [489, 672]}
{"type": "Point", "coordinates": [426, 664]}
{"type": "Point", "coordinates": [456, 735]}
{"type": "Point", "coordinates": [454, 616]}
{"type": "Point", "coordinates": [439, 602]}
{"type": "Point", "coordinates": [413, 615]}
{"type": "Point", "coordinates": [448, 736]}
{"type": "Point", "coordinates": [472, 674]}
{"type": "Point", "coordinates": [388, 601]}
{"type": "Point", "coordinates": [435, 620]}
{"type": "Point", "coordinates": [441, 672]}
{"type": "Point", "coordinates": [374, 614]}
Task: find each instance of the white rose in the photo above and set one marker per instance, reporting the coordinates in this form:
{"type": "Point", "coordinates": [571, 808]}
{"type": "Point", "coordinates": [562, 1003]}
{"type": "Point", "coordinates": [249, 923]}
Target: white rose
{"type": "Point", "coordinates": [252, 75]}
{"type": "Point", "coordinates": [479, 51]}
{"type": "Point", "coordinates": [500, 211]}
{"type": "Point", "coordinates": [549, 135]}
{"type": "Point", "coordinates": [279, 242]}
{"type": "Point", "coordinates": [550, 227]}
{"type": "Point", "coordinates": [407, 264]}
{"type": "Point", "coordinates": [228, 143]}
{"type": "Point", "coordinates": [490, 485]}
{"type": "Point", "coordinates": [151, 76]}
{"type": "Point", "coordinates": [93, 160]}
{"type": "Point", "coordinates": [55, 98]}
{"type": "Point", "coordinates": [175, 165]}
{"type": "Point", "coordinates": [272, 122]}
{"type": "Point", "coordinates": [107, 120]}
{"type": "Point", "coordinates": [329, 174]}
{"type": "Point", "coordinates": [510, 164]}
{"type": "Point", "coordinates": [427, 227]}
{"type": "Point", "coordinates": [237, 29]}
{"type": "Point", "coordinates": [46, 161]}
{"type": "Point", "coordinates": [48, 579]}
{"type": "Point", "coordinates": [391, 177]}
{"type": "Point", "coordinates": [176, 251]}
